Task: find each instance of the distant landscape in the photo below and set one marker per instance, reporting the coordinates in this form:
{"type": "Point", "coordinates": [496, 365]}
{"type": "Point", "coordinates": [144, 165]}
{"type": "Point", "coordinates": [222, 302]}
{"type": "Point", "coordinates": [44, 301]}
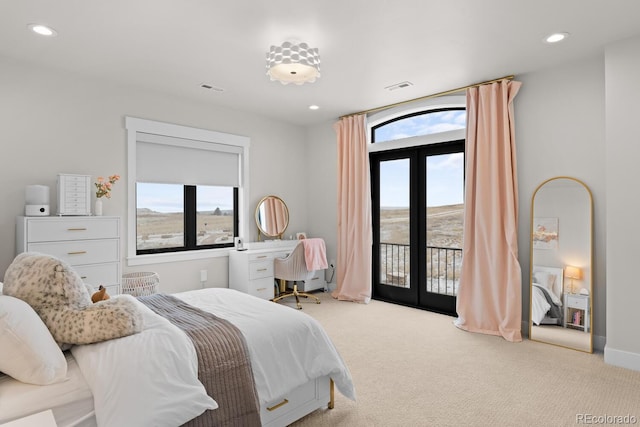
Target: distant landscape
{"type": "Point", "coordinates": [444, 230]}
{"type": "Point", "coordinates": [444, 225]}
{"type": "Point", "coordinates": [164, 230]}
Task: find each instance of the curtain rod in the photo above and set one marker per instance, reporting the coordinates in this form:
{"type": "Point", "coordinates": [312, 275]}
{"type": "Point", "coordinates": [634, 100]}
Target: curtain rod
{"type": "Point", "coordinates": [435, 95]}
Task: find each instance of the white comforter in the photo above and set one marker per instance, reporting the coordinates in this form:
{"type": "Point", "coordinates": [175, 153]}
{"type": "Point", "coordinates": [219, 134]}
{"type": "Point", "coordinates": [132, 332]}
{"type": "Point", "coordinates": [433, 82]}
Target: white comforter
{"type": "Point", "coordinates": [148, 378]}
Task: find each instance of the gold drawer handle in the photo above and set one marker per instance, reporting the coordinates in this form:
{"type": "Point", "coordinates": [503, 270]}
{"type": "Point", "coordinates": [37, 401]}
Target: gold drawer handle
{"type": "Point", "coordinates": [273, 408]}
{"type": "Point", "coordinates": [261, 269]}
{"type": "Point", "coordinates": [261, 289]}
{"type": "Point", "coordinates": [77, 229]}
{"type": "Point", "coordinates": [77, 253]}
{"type": "Point", "coordinates": [261, 256]}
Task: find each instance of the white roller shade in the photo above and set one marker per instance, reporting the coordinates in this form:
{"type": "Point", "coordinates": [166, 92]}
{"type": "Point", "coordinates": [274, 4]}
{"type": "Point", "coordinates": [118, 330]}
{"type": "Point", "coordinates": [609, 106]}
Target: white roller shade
{"type": "Point", "coordinates": [170, 160]}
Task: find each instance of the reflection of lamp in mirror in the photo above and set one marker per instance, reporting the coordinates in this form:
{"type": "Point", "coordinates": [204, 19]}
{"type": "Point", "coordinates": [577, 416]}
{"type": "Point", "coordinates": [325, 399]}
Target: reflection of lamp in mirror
{"type": "Point", "coordinates": [572, 273]}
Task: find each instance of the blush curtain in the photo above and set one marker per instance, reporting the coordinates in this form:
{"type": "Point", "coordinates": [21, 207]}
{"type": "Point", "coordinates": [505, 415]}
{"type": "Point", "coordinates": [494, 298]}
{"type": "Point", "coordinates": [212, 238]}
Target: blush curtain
{"type": "Point", "coordinates": [354, 212]}
{"type": "Point", "coordinates": [490, 294]}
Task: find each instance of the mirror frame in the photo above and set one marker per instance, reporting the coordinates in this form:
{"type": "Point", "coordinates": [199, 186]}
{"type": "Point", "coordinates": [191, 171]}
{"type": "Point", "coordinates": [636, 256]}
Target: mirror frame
{"type": "Point", "coordinates": [262, 231]}
{"type": "Point", "coordinates": [590, 269]}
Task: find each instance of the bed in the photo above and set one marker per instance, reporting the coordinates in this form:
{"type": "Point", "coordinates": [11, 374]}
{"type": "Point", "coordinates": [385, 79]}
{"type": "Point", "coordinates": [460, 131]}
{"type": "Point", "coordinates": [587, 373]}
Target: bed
{"type": "Point", "coordinates": [151, 378]}
{"type": "Point", "coordinates": [546, 295]}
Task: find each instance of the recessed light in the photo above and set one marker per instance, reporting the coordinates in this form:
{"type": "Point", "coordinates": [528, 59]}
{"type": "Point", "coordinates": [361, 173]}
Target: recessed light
{"type": "Point", "coordinates": [556, 37]}
{"type": "Point", "coordinates": [313, 107]}
{"type": "Point", "coordinates": [43, 30]}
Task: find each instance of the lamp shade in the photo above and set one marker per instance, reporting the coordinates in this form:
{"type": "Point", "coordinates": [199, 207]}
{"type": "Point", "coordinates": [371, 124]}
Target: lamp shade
{"type": "Point", "coordinates": [293, 63]}
{"type": "Point", "coordinates": [573, 272]}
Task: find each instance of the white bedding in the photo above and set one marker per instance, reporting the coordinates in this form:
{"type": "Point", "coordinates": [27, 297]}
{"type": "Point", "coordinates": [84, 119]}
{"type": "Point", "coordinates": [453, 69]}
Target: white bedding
{"type": "Point", "coordinates": [147, 378]}
{"type": "Point", "coordinates": [539, 304]}
{"type": "Point", "coordinates": [70, 400]}
{"type": "Point", "coordinates": [287, 347]}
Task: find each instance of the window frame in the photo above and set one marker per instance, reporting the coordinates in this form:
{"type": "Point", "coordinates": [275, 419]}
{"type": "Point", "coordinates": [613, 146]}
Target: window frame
{"type": "Point", "coordinates": [135, 125]}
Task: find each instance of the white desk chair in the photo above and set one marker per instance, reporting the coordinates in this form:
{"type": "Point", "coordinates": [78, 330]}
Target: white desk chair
{"type": "Point", "coordinates": [293, 268]}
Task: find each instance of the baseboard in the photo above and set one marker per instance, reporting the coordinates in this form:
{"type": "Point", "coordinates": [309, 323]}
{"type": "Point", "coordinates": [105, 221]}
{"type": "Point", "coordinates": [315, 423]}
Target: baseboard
{"type": "Point", "coordinates": [621, 358]}
{"type": "Point", "coordinates": [598, 340]}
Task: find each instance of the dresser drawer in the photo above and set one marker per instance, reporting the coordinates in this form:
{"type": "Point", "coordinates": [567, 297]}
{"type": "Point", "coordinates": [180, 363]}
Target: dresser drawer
{"type": "Point", "coordinates": [99, 274]}
{"type": "Point", "coordinates": [80, 252]}
{"type": "Point", "coordinates": [258, 270]}
{"type": "Point", "coordinates": [75, 229]}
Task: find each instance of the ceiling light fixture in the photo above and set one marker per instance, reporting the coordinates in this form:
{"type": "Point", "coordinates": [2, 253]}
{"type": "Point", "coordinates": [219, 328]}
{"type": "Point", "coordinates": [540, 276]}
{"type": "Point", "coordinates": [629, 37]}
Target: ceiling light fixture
{"type": "Point", "coordinates": [313, 107]}
{"type": "Point", "coordinates": [293, 63]}
{"type": "Point", "coordinates": [43, 30]}
{"type": "Point", "coordinates": [556, 37]}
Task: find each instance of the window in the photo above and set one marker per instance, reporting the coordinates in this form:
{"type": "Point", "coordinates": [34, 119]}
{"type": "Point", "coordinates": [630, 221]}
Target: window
{"type": "Point", "coordinates": [187, 187]}
{"type": "Point", "coordinates": [173, 217]}
{"type": "Point", "coordinates": [420, 124]}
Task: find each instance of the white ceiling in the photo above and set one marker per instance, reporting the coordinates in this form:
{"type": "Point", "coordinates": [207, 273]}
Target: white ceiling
{"type": "Point", "coordinates": [172, 46]}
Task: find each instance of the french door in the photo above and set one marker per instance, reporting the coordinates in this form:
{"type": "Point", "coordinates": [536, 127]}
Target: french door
{"type": "Point", "coordinates": [417, 201]}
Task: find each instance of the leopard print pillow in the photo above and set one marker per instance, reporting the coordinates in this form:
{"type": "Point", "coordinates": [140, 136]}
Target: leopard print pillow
{"type": "Point", "coordinates": [56, 292]}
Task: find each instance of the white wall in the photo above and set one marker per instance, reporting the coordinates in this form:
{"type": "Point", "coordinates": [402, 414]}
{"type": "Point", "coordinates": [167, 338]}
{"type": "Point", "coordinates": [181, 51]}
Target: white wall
{"type": "Point", "coordinates": [60, 123]}
{"type": "Point", "coordinates": [560, 130]}
{"type": "Point", "coordinates": [623, 205]}
{"type": "Point", "coordinates": [322, 218]}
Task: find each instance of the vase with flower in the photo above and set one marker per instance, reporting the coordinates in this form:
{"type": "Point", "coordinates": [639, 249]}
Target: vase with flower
{"type": "Point", "coordinates": [103, 189]}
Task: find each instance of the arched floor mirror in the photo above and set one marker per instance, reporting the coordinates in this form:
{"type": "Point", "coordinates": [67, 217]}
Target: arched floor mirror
{"type": "Point", "coordinates": [561, 264]}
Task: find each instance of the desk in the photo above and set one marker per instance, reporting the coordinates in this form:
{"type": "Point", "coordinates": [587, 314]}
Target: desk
{"type": "Point", "coordinates": [251, 270]}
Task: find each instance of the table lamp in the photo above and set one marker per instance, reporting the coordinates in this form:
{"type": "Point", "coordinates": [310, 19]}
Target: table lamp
{"type": "Point", "coordinates": [572, 273]}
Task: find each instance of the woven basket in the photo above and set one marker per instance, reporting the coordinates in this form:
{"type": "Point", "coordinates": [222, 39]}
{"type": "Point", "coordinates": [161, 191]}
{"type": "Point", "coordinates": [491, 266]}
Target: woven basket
{"type": "Point", "coordinates": [140, 284]}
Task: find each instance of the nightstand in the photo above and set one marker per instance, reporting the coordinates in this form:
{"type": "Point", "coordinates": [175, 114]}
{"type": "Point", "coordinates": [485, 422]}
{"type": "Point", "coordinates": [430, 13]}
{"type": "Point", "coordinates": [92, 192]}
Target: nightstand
{"type": "Point", "coordinates": [576, 311]}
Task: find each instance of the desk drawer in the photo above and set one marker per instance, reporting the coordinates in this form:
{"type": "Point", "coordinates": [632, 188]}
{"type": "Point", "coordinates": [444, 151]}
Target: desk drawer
{"type": "Point", "coordinates": [258, 270]}
{"type": "Point", "coordinates": [81, 252]}
{"type": "Point", "coordinates": [262, 288]}
{"type": "Point", "coordinates": [72, 229]}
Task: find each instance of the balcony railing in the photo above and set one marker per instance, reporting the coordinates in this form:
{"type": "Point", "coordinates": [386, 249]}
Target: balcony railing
{"type": "Point", "coordinates": [442, 267]}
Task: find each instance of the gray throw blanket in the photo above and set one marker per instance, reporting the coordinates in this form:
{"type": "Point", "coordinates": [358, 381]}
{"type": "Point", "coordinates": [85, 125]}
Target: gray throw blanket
{"type": "Point", "coordinates": [556, 311]}
{"type": "Point", "coordinates": [224, 367]}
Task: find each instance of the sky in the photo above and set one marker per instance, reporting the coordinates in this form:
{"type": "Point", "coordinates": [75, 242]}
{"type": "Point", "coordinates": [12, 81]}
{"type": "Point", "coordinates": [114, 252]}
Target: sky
{"type": "Point", "coordinates": [169, 197]}
{"type": "Point", "coordinates": [445, 172]}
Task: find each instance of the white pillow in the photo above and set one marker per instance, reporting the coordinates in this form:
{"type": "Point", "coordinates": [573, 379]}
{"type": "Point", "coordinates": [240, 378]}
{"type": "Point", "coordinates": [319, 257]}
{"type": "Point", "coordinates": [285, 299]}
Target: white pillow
{"type": "Point", "coordinates": [29, 353]}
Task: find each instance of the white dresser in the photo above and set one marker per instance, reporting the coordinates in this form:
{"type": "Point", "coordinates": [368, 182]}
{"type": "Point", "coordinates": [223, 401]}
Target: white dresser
{"type": "Point", "coordinates": [91, 245]}
{"type": "Point", "coordinates": [251, 271]}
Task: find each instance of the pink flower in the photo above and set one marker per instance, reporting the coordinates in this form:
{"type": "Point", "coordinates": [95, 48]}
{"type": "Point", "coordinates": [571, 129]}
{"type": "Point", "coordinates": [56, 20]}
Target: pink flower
{"type": "Point", "coordinates": [103, 187]}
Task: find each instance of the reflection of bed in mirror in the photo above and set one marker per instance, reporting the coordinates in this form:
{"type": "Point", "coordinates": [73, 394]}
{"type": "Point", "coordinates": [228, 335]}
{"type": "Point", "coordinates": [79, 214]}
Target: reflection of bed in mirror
{"type": "Point", "coordinates": [546, 296]}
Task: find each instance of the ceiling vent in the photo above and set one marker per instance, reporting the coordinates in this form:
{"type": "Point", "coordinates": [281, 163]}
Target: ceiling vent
{"type": "Point", "coordinates": [400, 85]}
{"type": "Point", "coordinates": [211, 87]}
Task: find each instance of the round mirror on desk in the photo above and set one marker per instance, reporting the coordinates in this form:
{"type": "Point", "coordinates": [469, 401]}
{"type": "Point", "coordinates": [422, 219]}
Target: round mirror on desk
{"type": "Point", "coordinates": [272, 217]}
{"type": "Point", "coordinates": [561, 248]}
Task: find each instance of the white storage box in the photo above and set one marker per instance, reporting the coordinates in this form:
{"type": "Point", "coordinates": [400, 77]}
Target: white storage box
{"type": "Point", "coordinates": [140, 284]}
